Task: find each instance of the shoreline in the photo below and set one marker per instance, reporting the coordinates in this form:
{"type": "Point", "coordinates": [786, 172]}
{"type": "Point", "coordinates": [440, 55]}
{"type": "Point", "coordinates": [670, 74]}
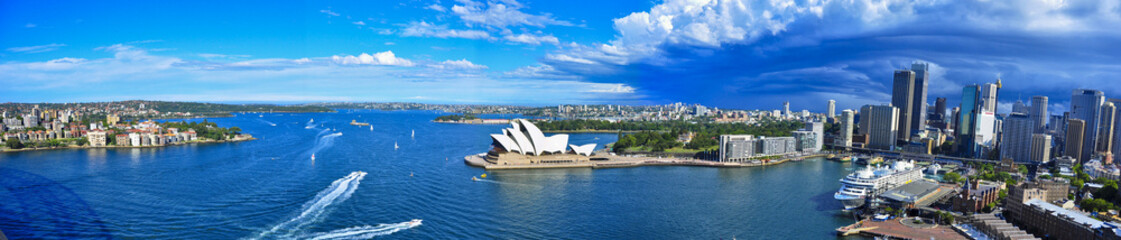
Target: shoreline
{"type": "Point", "coordinates": [629, 161]}
{"type": "Point", "coordinates": [111, 147]}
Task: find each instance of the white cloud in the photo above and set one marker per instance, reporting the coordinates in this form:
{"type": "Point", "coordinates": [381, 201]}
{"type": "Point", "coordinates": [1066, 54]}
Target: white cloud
{"type": "Point", "coordinates": [359, 23]}
{"type": "Point", "coordinates": [37, 49]}
{"type": "Point", "coordinates": [457, 64]}
{"type": "Point", "coordinates": [501, 14]}
{"type": "Point", "coordinates": [30, 25]}
{"type": "Point", "coordinates": [425, 29]}
{"type": "Point", "coordinates": [532, 39]}
{"type": "Point", "coordinates": [436, 7]}
{"type": "Point", "coordinates": [381, 58]}
{"type": "Point", "coordinates": [616, 88]}
{"type": "Point", "coordinates": [329, 12]}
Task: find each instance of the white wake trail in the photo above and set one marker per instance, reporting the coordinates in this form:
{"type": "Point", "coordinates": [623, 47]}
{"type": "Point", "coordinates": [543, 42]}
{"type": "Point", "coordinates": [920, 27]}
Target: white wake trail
{"type": "Point", "coordinates": [314, 210]}
{"type": "Point", "coordinates": [324, 141]}
{"type": "Point", "coordinates": [363, 232]}
{"type": "Point", "coordinates": [267, 122]}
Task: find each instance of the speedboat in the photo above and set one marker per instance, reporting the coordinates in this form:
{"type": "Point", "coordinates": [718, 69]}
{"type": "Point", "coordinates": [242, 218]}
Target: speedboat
{"type": "Point", "coordinates": [414, 223]}
{"type": "Point", "coordinates": [313, 157]}
{"type": "Point", "coordinates": [474, 179]}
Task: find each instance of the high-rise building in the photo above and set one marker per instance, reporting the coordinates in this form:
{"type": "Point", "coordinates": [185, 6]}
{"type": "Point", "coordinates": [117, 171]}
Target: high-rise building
{"type": "Point", "coordinates": [883, 125]}
{"type": "Point", "coordinates": [1074, 138]}
{"type": "Point", "coordinates": [786, 109]}
{"type": "Point", "coordinates": [1116, 124]}
{"type": "Point", "coordinates": [846, 128]}
{"type": "Point", "coordinates": [940, 108]}
{"type": "Point", "coordinates": [1105, 132]}
{"type": "Point", "coordinates": [830, 110]}
{"type": "Point", "coordinates": [902, 97]}
{"type": "Point", "coordinates": [966, 124]}
{"type": "Point", "coordinates": [818, 129]}
{"type": "Point", "coordinates": [1086, 105]}
{"type": "Point", "coordinates": [955, 116]}
{"type": "Point", "coordinates": [1015, 142]}
{"type": "Point", "coordinates": [1020, 107]}
{"type": "Point", "coordinates": [1040, 148]}
{"type": "Point", "coordinates": [987, 99]}
{"type": "Point", "coordinates": [918, 102]}
{"type": "Point", "coordinates": [736, 148]}
{"type": "Point", "coordinates": [1038, 112]}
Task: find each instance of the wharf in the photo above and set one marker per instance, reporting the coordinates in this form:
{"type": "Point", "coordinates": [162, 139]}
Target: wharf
{"type": "Point", "coordinates": [901, 228]}
{"type": "Point", "coordinates": [615, 161]}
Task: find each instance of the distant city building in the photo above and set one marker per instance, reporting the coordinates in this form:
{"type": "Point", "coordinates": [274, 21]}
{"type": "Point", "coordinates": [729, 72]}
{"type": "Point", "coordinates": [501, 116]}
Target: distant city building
{"type": "Point", "coordinates": [846, 128]}
{"type": "Point", "coordinates": [918, 101]}
{"type": "Point", "coordinates": [1105, 132]}
{"type": "Point", "coordinates": [1074, 138]}
{"type": "Point", "coordinates": [786, 109]}
{"type": "Point", "coordinates": [902, 97]}
{"type": "Point", "coordinates": [1038, 113]}
{"type": "Point", "coordinates": [1040, 148]}
{"type": "Point", "coordinates": [882, 123]}
{"type": "Point", "coordinates": [975, 127]}
{"type": "Point", "coordinates": [1086, 104]}
{"type": "Point", "coordinates": [1016, 140]}
{"type": "Point", "coordinates": [1020, 107]}
{"type": "Point", "coordinates": [1116, 138]}
{"type": "Point", "coordinates": [830, 109]}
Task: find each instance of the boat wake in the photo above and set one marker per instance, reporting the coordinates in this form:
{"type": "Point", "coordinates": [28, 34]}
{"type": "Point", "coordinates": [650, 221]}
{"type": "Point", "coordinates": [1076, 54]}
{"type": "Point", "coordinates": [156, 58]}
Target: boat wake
{"type": "Point", "coordinates": [313, 211]}
{"type": "Point", "coordinates": [324, 141]}
{"type": "Point", "coordinates": [363, 232]}
{"type": "Point", "coordinates": [267, 122]}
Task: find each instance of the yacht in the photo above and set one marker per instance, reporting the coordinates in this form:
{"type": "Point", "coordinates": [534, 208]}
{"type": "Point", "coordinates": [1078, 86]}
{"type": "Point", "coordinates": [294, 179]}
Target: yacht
{"type": "Point", "coordinates": [414, 223]}
{"type": "Point", "coordinates": [870, 181]}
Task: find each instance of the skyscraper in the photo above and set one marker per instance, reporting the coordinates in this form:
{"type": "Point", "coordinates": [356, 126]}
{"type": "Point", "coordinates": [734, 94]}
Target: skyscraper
{"type": "Point", "coordinates": [940, 108]}
{"type": "Point", "coordinates": [830, 110]}
{"type": "Point", "coordinates": [918, 101]}
{"type": "Point", "coordinates": [1075, 128]}
{"type": "Point", "coordinates": [965, 125]}
{"type": "Point", "coordinates": [786, 109]}
{"type": "Point", "coordinates": [902, 97]}
{"type": "Point", "coordinates": [1040, 148]}
{"type": "Point", "coordinates": [987, 98]}
{"type": "Point", "coordinates": [1116, 124]}
{"type": "Point", "coordinates": [1105, 132]}
{"type": "Point", "coordinates": [1015, 142]}
{"type": "Point", "coordinates": [1020, 107]}
{"type": "Point", "coordinates": [883, 125]}
{"type": "Point", "coordinates": [846, 128]}
{"type": "Point", "coordinates": [1086, 105]}
{"type": "Point", "coordinates": [1038, 112]}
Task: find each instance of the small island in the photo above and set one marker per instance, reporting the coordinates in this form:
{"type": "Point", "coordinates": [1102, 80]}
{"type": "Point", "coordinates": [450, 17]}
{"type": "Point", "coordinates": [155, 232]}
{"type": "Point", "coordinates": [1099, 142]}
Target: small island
{"type": "Point", "coordinates": [468, 119]}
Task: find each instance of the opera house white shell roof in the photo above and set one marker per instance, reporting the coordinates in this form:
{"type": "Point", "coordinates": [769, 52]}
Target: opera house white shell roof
{"type": "Point", "coordinates": [525, 138]}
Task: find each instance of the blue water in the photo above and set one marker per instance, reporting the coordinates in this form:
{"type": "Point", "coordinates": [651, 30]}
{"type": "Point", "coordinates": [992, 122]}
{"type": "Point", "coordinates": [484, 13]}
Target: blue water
{"type": "Point", "coordinates": [360, 187]}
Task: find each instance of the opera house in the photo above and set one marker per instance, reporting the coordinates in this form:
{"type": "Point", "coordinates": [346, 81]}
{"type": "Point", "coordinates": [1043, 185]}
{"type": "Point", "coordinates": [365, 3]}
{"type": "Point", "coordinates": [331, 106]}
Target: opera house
{"type": "Point", "coordinates": [524, 143]}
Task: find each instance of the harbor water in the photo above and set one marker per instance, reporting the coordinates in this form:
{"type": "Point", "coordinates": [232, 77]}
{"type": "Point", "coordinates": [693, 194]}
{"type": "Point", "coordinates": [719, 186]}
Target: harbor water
{"type": "Point", "coordinates": [360, 186]}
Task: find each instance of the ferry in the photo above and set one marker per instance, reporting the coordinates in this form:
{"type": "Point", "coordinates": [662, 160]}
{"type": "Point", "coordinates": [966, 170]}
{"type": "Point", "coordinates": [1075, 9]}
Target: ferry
{"type": "Point", "coordinates": [870, 181]}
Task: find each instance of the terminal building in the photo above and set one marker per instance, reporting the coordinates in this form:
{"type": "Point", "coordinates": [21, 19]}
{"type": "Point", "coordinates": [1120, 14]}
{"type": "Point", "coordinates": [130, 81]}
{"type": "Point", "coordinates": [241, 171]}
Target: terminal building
{"type": "Point", "coordinates": [524, 143]}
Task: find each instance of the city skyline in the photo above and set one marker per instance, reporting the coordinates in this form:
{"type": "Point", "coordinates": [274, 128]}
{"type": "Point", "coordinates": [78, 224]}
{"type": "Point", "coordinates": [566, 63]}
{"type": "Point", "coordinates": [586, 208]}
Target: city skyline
{"type": "Point", "coordinates": [543, 53]}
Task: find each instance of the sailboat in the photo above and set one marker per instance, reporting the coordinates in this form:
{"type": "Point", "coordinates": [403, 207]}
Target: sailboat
{"type": "Point", "coordinates": [313, 157]}
{"type": "Point", "coordinates": [395, 147]}
{"type": "Point", "coordinates": [414, 134]}
{"type": "Point", "coordinates": [371, 128]}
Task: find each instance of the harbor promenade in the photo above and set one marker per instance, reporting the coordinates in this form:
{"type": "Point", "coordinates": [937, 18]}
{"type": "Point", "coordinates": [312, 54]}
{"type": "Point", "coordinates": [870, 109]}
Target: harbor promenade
{"type": "Point", "coordinates": [616, 161]}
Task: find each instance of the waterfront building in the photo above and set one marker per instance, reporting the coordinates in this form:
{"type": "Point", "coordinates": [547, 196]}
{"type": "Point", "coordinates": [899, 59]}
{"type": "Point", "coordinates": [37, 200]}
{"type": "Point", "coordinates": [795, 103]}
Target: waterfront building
{"type": "Point", "coordinates": [1016, 140]}
{"type": "Point", "coordinates": [846, 128]}
{"type": "Point", "coordinates": [806, 141]}
{"type": "Point", "coordinates": [1038, 113]}
{"type": "Point", "coordinates": [1055, 222]}
{"type": "Point", "coordinates": [830, 109]}
{"type": "Point", "coordinates": [902, 97]}
{"type": "Point", "coordinates": [1105, 132]}
{"type": "Point", "coordinates": [736, 148]}
{"type": "Point", "coordinates": [134, 139]}
{"type": "Point", "coordinates": [771, 146]}
{"type": "Point", "coordinates": [1075, 129]}
{"type": "Point", "coordinates": [1086, 104]}
{"type": "Point", "coordinates": [122, 140]}
{"type": "Point", "coordinates": [97, 138]}
{"type": "Point", "coordinates": [1040, 148]}
{"type": "Point", "coordinates": [882, 123]}
{"type": "Point", "coordinates": [524, 143]}
{"type": "Point", "coordinates": [918, 102]}
{"type": "Point", "coordinates": [818, 129]}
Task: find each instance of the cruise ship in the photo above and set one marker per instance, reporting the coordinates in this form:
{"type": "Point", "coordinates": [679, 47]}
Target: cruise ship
{"type": "Point", "coordinates": [868, 182]}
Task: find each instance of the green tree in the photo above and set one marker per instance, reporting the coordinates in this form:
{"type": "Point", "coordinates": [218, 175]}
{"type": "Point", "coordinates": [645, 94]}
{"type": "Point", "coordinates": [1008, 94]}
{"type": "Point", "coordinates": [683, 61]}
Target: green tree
{"type": "Point", "coordinates": [14, 144]}
{"type": "Point", "coordinates": [952, 177]}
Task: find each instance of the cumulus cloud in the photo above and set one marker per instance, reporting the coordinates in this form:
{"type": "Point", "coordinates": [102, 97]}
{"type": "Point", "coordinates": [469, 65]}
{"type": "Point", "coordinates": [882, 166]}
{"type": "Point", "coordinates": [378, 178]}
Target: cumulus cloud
{"type": "Point", "coordinates": [501, 14]}
{"type": "Point", "coordinates": [425, 29]}
{"type": "Point", "coordinates": [531, 39]}
{"type": "Point", "coordinates": [816, 50]}
{"type": "Point", "coordinates": [359, 23]}
{"type": "Point", "coordinates": [457, 64]}
{"type": "Point", "coordinates": [381, 58]}
{"type": "Point", "coordinates": [37, 49]}
{"type": "Point", "coordinates": [436, 7]}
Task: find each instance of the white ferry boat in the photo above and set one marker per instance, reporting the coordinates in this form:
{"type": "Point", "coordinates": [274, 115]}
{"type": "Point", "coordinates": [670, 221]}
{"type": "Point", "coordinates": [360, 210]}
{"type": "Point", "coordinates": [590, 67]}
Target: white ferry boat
{"type": "Point", "coordinates": [869, 182]}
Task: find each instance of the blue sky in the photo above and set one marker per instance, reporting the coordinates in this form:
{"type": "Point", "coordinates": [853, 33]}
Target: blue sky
{"type": "Point", "coordinates": [732, 54]}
